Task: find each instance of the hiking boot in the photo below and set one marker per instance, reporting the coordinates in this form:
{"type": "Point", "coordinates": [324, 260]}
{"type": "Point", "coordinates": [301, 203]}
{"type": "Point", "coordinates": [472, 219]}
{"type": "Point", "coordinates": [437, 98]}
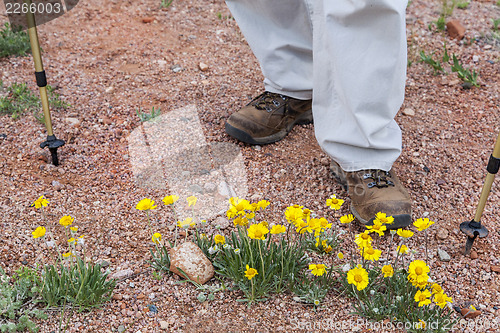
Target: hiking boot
{"type": "Point", "coordinates": [373, 191]}
{"type": "Point", "coordinates": [268, 118]}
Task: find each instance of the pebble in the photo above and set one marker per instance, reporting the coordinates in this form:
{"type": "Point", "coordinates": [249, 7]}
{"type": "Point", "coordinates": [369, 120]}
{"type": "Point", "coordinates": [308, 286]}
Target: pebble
{"type": "Point", "coordinates": [442, 234]}
{"type": "Point", "coordinates": [163, 325]}
{"type": "Point", "coordinates": [121, 328]}
{"type": "Point", "coordinates": [203, 67]}
{"type": "Point", "coordinates": [409, 112]}
{"type": "Point", "coordinates": [57, 185]}
{"type": "Point", "coordinates": [443, 255]}
{"type": "Point", "coordinates": [176, 68]}
{"type": "Point", "coordinates": [123, 274]}
{"type": "Point", "coordinates": [72, 121]}
{"type": "Point", "coordinates": [196, 188]}
{"type": "Point", "coordinates": [221, 222]}
{"type": "Point", "coordinates": [473, 254]}
{"type": "Point", "coordinates": [210, 187]}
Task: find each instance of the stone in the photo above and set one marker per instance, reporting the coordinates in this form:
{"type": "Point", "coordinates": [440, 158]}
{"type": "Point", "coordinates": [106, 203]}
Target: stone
{"type": "Point", "coordinates": [495, 268]}
{"type": "Point", "coordinates": [72, 121]}
{"type": "Point", "coordinates": [443, 255]}
{"type": "Point", "coordinates": [148, 19]}
{"type": "Point", "coordinates": [123, 274]}
{"type": "Point", "coordinates": [469, 313]}
{"type": "Point", "coordinates": [57, 185]}
{"type": "Point", "coordinates": [103, 263]}
{"type": "Point", "coordinates": [192, 261]}
{"type": "Point", "coordinates": [409, 112]}
{"type": "Point", "coordinates": [474, 255]}
{"type": "Point", "coordinates": [221, 222]}
{"type": "Point", "coordinates": [203, 67]}
{"type": "Point", "coordinates": [163, 325]}
{"type": "Point", "coordinates": [442, 234]}
{"type": "Point", "coordinates": [196, 188]}
{"type": "Point", "coordinates": [121, 328]}
{"type": "Point", "coordinates": [455, 29]}
{"type": "Point", "coordinates": [210, 187]}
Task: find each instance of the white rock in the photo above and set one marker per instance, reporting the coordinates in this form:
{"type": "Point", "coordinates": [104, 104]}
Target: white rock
{"type": "Point", "coordinates": [409, 112]}
{"type": "Point", "coordinates": [72, 121]}
{"type": "Point", "coordinates": [192, 261]}
{"type": "Point", "coordinates": [203, 67]}
{"type": "Point", "coordinates": [443, 255]}
{"type": "Point", "coordinates": [163, 325]}
{"type": "Point", "coordinates": [123, 274]}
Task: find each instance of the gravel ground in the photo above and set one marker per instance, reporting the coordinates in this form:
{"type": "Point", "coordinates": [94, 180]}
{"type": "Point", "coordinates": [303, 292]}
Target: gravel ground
{"type": "Point", "coordinates": [107, 59]}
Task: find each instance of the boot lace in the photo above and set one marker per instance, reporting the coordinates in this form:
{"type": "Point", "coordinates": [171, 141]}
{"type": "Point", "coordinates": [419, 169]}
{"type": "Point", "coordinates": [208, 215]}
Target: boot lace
{"type": "Point", "coordinates": [380, 178]}
{"type": "Point", "coordinates": [269, 101]}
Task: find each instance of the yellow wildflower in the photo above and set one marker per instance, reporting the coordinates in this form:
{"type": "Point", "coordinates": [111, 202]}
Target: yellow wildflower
{"type": "Point", "coordinates": [240, 221]}
{"type": "Point", "coordinates": [170, 199]}
{"type": "Point", "coordinates": [346, 218]}
{"type": "Point", "coordinates": [39, 232]}
{"type": "Point", "coordinates": [219, 239]}
{"type": "Point", "coordinates": [250, 272]}
{"type": "Point", "coordinates": [388, 271]}
{"type": "Point", "coordinates": [436, 288]}
{"type": "Point", "coordinates": [377, 227]}
{"type": "Point", "coordinates": [302, 227]}
{"type": "Point", "coordinates": [317, 270]}
{"type": "Point", "coordinates": [186, 223]}
{"type": "Point", "coordinates": [358, 276]}
{"type": "Point", "coordinates": [334, 203]}
{"type": "Point", "coordinates": [441, 299]}
{"type": "Point", "coordinates": [422, 297]}
{"type": "Point", "coordinates": [265, 224]}
{"type": "Point", "coordinates": [66, 221]}
{"type": "Point", "coordinates": [405, 233]}
{"type": "Point", "coordinates": [369, 253]}
{"type": "Point", "coordinates": [278, 229]}
{"type": "Point", "coordinates": [324, 223]}
{"type": "Point", "coordinates": [156, 238]}
{"type": "Point", "coordinates": [262, 204]}
{"type": "Point", "coordinates": [363, 239]}
{"type": "Point", "coordinates": [421, 324]}
{"type": "Point", "coordinates": [238, 207]}
{"type": "Point", "coordinates": [403, 249]}
{"type": "Point", "coordinates": [67, 255]}
{"type": "Point", "coordinates": [73, 230]}
{"type": "Point", "coordinates": [257, 231]}
{"type": "Point", "coordinates": [72, 240]}
{"type": "Point", "coordinates": [340, 255]}
{"type": "Point", "coordinates": [422, 224]}
{"type": "Point", "coordinates": [383, 218]}
{"type": "Point", "coordinates": [250, 216]}
{"type": "Point", "coordinates": [294, 214]}
{"type": "Point", "coordinates": [191, 200]}
{"type": "Point", "coordinates": [40, 202]}
{"type": "Point", "coordinates": [145, 204]}
{"type": "Point", "coordinates": [417, 271]}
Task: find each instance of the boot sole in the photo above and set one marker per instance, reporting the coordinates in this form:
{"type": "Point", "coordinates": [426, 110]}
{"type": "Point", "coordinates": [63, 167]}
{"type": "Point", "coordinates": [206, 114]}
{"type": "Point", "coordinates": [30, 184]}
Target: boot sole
{"type": "Point", "coordinates": [400, 221]}
{"type": "Point", "coordinates": [303, 119]}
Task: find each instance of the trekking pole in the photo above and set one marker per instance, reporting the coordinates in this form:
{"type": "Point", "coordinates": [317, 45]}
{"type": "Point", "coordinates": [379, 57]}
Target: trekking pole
{"type": "Point", "coordinates": [41, 80]}
{"type": "Point", "coordinates": [473, 229]}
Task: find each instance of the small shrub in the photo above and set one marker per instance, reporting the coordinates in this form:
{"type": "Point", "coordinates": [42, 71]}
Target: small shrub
{"type": "Point", "coordinates": [13, 41]}
{"type": "Point", "coordinates": [20, 99]}
{"type": "Point", "coordinates": [144, 116]}
{"type": "Point", "coordinates": [70, 280]}
{"type": "Point", "coordinates": [396, 291]}
{"type": "Point", "coordinates": [18, 297]}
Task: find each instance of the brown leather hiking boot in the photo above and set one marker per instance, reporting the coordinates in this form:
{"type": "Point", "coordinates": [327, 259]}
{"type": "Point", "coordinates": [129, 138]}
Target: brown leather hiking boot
{"type": "Point", "coordinates": [268, 118]}
{"type": "Point", "coordinates": [373, 191]}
